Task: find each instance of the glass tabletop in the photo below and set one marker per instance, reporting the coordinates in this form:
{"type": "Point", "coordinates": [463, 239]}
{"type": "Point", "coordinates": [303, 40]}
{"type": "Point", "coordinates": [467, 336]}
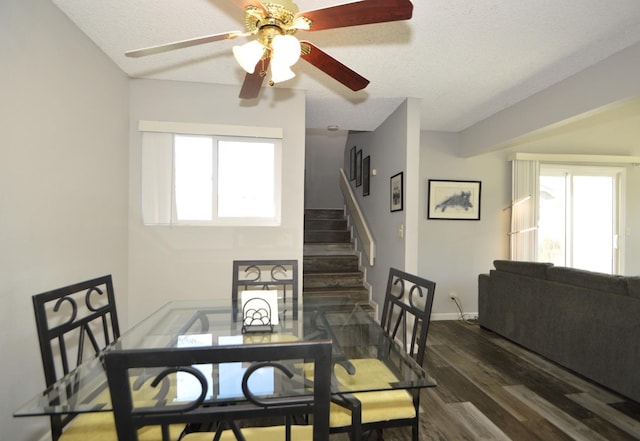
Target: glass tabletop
{"type": "Point", "coordinates": [365, 358]}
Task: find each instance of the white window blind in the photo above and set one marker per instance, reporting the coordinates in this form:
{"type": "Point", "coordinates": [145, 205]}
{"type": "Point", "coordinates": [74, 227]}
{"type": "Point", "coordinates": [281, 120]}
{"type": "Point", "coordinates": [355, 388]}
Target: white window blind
{"type": "Point", "coordinates": [524, 194]}
{"type": "Point", "coordinates": [157, 185]}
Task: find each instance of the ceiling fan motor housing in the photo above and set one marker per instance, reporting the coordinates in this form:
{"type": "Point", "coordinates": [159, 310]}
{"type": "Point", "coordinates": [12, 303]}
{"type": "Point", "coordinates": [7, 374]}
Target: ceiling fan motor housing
{"type": "Point", "coordinates": [279, 15]}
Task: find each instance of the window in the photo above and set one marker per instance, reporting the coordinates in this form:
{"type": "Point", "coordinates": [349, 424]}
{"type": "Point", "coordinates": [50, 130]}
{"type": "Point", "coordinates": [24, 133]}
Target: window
{"type": "Point", "coordinates": [205, 179]}
{"type": "Point", "coordinates": [578, 222]}
{"type": "Point", "coordinates": [569, 213]}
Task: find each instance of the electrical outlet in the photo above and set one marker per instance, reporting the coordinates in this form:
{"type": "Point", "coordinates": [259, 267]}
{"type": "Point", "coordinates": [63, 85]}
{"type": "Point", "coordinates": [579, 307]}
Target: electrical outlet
{"type": "Point", "coordinates": [453, 295]}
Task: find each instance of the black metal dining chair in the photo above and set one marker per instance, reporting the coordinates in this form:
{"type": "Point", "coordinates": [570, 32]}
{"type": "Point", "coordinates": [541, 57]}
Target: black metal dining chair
{"type": "Point", "coordinates": [280, 275]}
{"type": "Point", "coordinates": [405, 318]}
{"type": "Point", "coordinates": [75, 323]}
{"type": "Point", "coordinates": [231, 420]}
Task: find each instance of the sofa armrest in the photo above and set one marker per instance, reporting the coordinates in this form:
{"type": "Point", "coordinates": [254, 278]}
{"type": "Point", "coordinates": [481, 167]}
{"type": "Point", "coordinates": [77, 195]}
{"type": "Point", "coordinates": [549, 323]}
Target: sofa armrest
{"type": "Point", "coordinates": [483, 299]}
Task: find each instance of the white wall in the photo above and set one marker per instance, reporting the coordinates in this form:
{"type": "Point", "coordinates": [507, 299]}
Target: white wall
{"type": "Point", "coordinates": [169, 263]}
{"type": "Point", "coordinates": [324, 157]}
{"type": "Point", "coordinates": [453, 252]}
{"type": "Point", "coordinates": [63, 183]}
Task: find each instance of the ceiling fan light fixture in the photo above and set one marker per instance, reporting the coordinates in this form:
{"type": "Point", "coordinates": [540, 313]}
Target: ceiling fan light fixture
{"type": "Point", "coordinates": [280, 72]}
{"type": "Point", "coordinates": [285, 49]}
{"type": "Point", "coordinates": [248, 55]}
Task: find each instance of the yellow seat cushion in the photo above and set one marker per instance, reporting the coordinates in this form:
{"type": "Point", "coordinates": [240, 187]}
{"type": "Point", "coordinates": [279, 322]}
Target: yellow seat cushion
{"type": "Point", "coordinates": [381, 405]}
{"type": "Point", "coordinates": [267, 338]}
{"type": "Point", "coordinates": [376, 406]}
{"type": "Point", "coordinates": [100, 426]}
{"type": "Point", "coordinates": [272, 433]}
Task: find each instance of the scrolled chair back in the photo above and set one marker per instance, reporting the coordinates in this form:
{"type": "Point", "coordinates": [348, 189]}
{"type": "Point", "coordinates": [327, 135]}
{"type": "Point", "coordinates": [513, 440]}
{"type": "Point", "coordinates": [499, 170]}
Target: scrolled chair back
{"type": "Point", "coordinates": [291, 396]}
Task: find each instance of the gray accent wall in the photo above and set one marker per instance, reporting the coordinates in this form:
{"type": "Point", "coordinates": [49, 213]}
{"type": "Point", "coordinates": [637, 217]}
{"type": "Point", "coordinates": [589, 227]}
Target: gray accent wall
{"type": "Point", "coordinates": [323, 158]}
{"type": "Point", "coordinates": [389, 147]}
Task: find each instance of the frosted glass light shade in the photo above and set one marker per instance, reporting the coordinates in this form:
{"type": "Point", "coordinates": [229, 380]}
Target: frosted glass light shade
{"type": "Point", "coordinates": [248, 55]}
{"type": "Point", "coordinates": [286, 49]}
{"type": "Point", "coordinates": [280, 72]}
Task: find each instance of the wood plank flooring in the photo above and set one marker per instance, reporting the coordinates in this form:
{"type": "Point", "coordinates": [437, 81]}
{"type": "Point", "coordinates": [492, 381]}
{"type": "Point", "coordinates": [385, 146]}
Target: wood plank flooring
{"type": "Point", "coordinates": [491, 389]}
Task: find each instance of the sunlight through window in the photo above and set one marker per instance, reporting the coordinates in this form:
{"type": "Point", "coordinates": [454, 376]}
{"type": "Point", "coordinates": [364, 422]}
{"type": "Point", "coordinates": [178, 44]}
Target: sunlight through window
{"type": "Point", "coordinates": [193, 159]}
{"type": "Point", "coordinates": [246, 177]}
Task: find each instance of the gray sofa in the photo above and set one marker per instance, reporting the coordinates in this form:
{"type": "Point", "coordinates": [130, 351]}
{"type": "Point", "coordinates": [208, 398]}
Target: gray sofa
{"type": "Point", "coordinates": [585, 321]}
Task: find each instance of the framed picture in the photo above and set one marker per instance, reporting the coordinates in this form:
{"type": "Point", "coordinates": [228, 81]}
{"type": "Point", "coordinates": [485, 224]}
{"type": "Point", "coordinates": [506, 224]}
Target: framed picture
{"type": "Point", "coordinates": [456, 200]}
{"type": "Point", "coordinates": [352, 164]}
{"type": "Point", "coordinates": [366, 175]}
{"type": "Point", "coordinates": [396, 192]}
{"type": "Point", "coordinates": [359, 168]}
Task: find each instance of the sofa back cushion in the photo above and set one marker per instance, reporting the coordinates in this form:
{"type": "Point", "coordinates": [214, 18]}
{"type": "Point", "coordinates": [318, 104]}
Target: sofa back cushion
{"type": "Point", "coordinates": [588, 279]}
{"type": "Point", "coordinates": [531, 269]}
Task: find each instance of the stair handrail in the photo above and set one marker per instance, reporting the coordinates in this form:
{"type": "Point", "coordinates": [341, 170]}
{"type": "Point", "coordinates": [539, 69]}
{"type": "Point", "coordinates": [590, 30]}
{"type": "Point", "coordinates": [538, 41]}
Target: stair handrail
{"type": "Point", "coordinates": [368, 244]}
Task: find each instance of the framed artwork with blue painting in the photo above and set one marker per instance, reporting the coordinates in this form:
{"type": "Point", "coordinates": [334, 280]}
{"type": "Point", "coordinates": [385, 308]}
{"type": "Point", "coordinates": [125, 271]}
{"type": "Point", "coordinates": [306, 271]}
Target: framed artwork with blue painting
{"type": "Point", "coordinates": [453, 200]}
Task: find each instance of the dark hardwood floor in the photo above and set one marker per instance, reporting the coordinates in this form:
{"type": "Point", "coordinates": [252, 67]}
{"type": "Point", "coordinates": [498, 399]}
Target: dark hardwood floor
{"type": "Point", "coordinates": [491, 389]}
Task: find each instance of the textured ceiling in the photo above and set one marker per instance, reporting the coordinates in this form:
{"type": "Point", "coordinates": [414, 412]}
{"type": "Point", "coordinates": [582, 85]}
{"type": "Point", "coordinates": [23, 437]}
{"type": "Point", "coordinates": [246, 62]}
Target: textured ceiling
{"type": "Point", "coordinates": [465, 59]}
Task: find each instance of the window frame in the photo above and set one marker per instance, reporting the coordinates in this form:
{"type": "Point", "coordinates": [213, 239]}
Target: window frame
{"type": "Point", "coordinates": [166, 198]}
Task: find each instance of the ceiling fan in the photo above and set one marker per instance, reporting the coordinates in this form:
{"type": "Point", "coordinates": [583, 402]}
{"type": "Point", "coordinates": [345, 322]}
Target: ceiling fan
{"type": "Point", "coordinates": [274, 22]}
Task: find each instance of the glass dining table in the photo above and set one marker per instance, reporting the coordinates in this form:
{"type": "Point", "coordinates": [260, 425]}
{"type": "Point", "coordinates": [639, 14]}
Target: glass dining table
{"type": "Point", "coordinates": [352, 330]}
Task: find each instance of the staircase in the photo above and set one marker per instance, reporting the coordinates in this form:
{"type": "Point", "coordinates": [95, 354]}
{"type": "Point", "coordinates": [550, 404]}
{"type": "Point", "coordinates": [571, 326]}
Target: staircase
{"type": "Point", "coordinates": [331, 265]}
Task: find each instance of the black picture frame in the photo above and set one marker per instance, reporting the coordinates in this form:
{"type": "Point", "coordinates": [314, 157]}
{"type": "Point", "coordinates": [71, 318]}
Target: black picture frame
{"type": "Point", "coordinates": [396, 192]}
{"type": "Point", "coordinates": [352, 164]}
{"type": "Point", "coordinates": [366, 176]}
{"type": "Point", "coordinates": [359, 168]}
{"type": "Point", "coordinates": [454, 200]}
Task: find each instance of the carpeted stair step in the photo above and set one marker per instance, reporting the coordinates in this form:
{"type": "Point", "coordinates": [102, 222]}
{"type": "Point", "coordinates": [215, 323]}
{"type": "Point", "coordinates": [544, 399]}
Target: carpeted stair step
{"type": "Point", "coordinates": [330, 263]}
{"type": "Point", "coordinates": [333, 280]}
{"type": "Point", "coordinates": [323, 213]}
{"type": "Point", "coordinates": [325, 224]}
{"type": "Point", "coordinates": [327, 236]}
{"type": "Point", "coordinates": [329, 249]}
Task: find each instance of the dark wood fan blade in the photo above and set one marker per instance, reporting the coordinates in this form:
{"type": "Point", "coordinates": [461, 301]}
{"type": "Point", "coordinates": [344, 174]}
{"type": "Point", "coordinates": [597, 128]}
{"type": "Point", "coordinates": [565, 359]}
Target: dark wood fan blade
{"type": "Point", "coordinates": [180, 44]}
{"type": "Point", "coordinates": [359, 13]}
{"type": "Point", "coordinates": [333, 67]}
{"type": "Point", "coordinates": [253, 82]}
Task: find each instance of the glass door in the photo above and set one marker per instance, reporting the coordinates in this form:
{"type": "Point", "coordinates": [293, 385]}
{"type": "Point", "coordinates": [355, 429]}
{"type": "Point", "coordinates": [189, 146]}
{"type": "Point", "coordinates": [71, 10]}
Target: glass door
{"type": "Point", "coordinates": [579, 222]}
